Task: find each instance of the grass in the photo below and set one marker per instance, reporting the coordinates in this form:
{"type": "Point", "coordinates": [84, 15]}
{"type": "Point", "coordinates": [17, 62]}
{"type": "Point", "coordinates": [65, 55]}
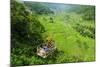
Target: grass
{"type": "Point", "coordinates": [74, 46]}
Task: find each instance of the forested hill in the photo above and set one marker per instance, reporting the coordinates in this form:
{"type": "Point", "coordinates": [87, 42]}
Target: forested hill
{"type": "Point", "coordinates": [38, 7]}
{"type": "Point", "coordinates": [50, 7]}
{"type": "Point", "coordinates": [47, 8]}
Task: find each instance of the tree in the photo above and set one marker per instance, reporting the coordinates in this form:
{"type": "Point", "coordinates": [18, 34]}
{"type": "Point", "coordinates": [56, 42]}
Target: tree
{"type": "Point", "coordinates": [25, 33]}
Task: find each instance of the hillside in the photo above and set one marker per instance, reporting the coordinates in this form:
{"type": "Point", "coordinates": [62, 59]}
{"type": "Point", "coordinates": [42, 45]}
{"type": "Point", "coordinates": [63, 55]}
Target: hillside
{"type": "Point", "coordinates": [71, 28]}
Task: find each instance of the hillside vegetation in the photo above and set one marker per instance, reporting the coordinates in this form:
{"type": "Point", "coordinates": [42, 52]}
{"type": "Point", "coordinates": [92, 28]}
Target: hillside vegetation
{"type": "Point", "coordinates": [72, 27]}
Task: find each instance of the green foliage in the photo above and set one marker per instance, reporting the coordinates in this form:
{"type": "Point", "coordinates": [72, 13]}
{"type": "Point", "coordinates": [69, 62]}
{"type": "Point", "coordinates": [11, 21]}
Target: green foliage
{"type": "Point", "coordinates": [24, 26]}
{"type": "Point", "coordinates": [85, 30]}
{"type": "Point", "coordinates": [25, 33]}
{"type": "Point", "coordinates": [87, 12]}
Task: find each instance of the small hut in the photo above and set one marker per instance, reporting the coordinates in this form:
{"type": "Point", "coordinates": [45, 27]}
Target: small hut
{"type": "Point", "coordinates": [46, 49]}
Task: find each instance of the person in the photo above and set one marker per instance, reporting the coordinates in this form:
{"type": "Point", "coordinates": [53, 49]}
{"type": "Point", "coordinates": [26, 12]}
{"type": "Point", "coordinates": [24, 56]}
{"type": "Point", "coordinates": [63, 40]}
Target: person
{"type": "Point", "coordinates": [44, 46]}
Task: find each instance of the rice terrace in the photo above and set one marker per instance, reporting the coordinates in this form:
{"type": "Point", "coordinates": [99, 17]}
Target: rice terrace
{"type": "Point", "coordinates": [51, 33]}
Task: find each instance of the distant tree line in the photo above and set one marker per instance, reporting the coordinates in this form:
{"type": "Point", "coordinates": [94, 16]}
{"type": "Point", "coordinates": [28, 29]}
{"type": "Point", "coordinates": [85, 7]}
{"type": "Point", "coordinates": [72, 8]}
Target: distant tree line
{"type": "Point", "coordinates": [87, 11]}
{"type": "Point", "coordinates": [39, 8]}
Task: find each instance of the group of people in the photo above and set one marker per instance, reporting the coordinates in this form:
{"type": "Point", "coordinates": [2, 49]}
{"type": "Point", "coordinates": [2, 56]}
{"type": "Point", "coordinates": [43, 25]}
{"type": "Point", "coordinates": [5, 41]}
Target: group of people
{"type": "Point", "coordinates": [45, 48]}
